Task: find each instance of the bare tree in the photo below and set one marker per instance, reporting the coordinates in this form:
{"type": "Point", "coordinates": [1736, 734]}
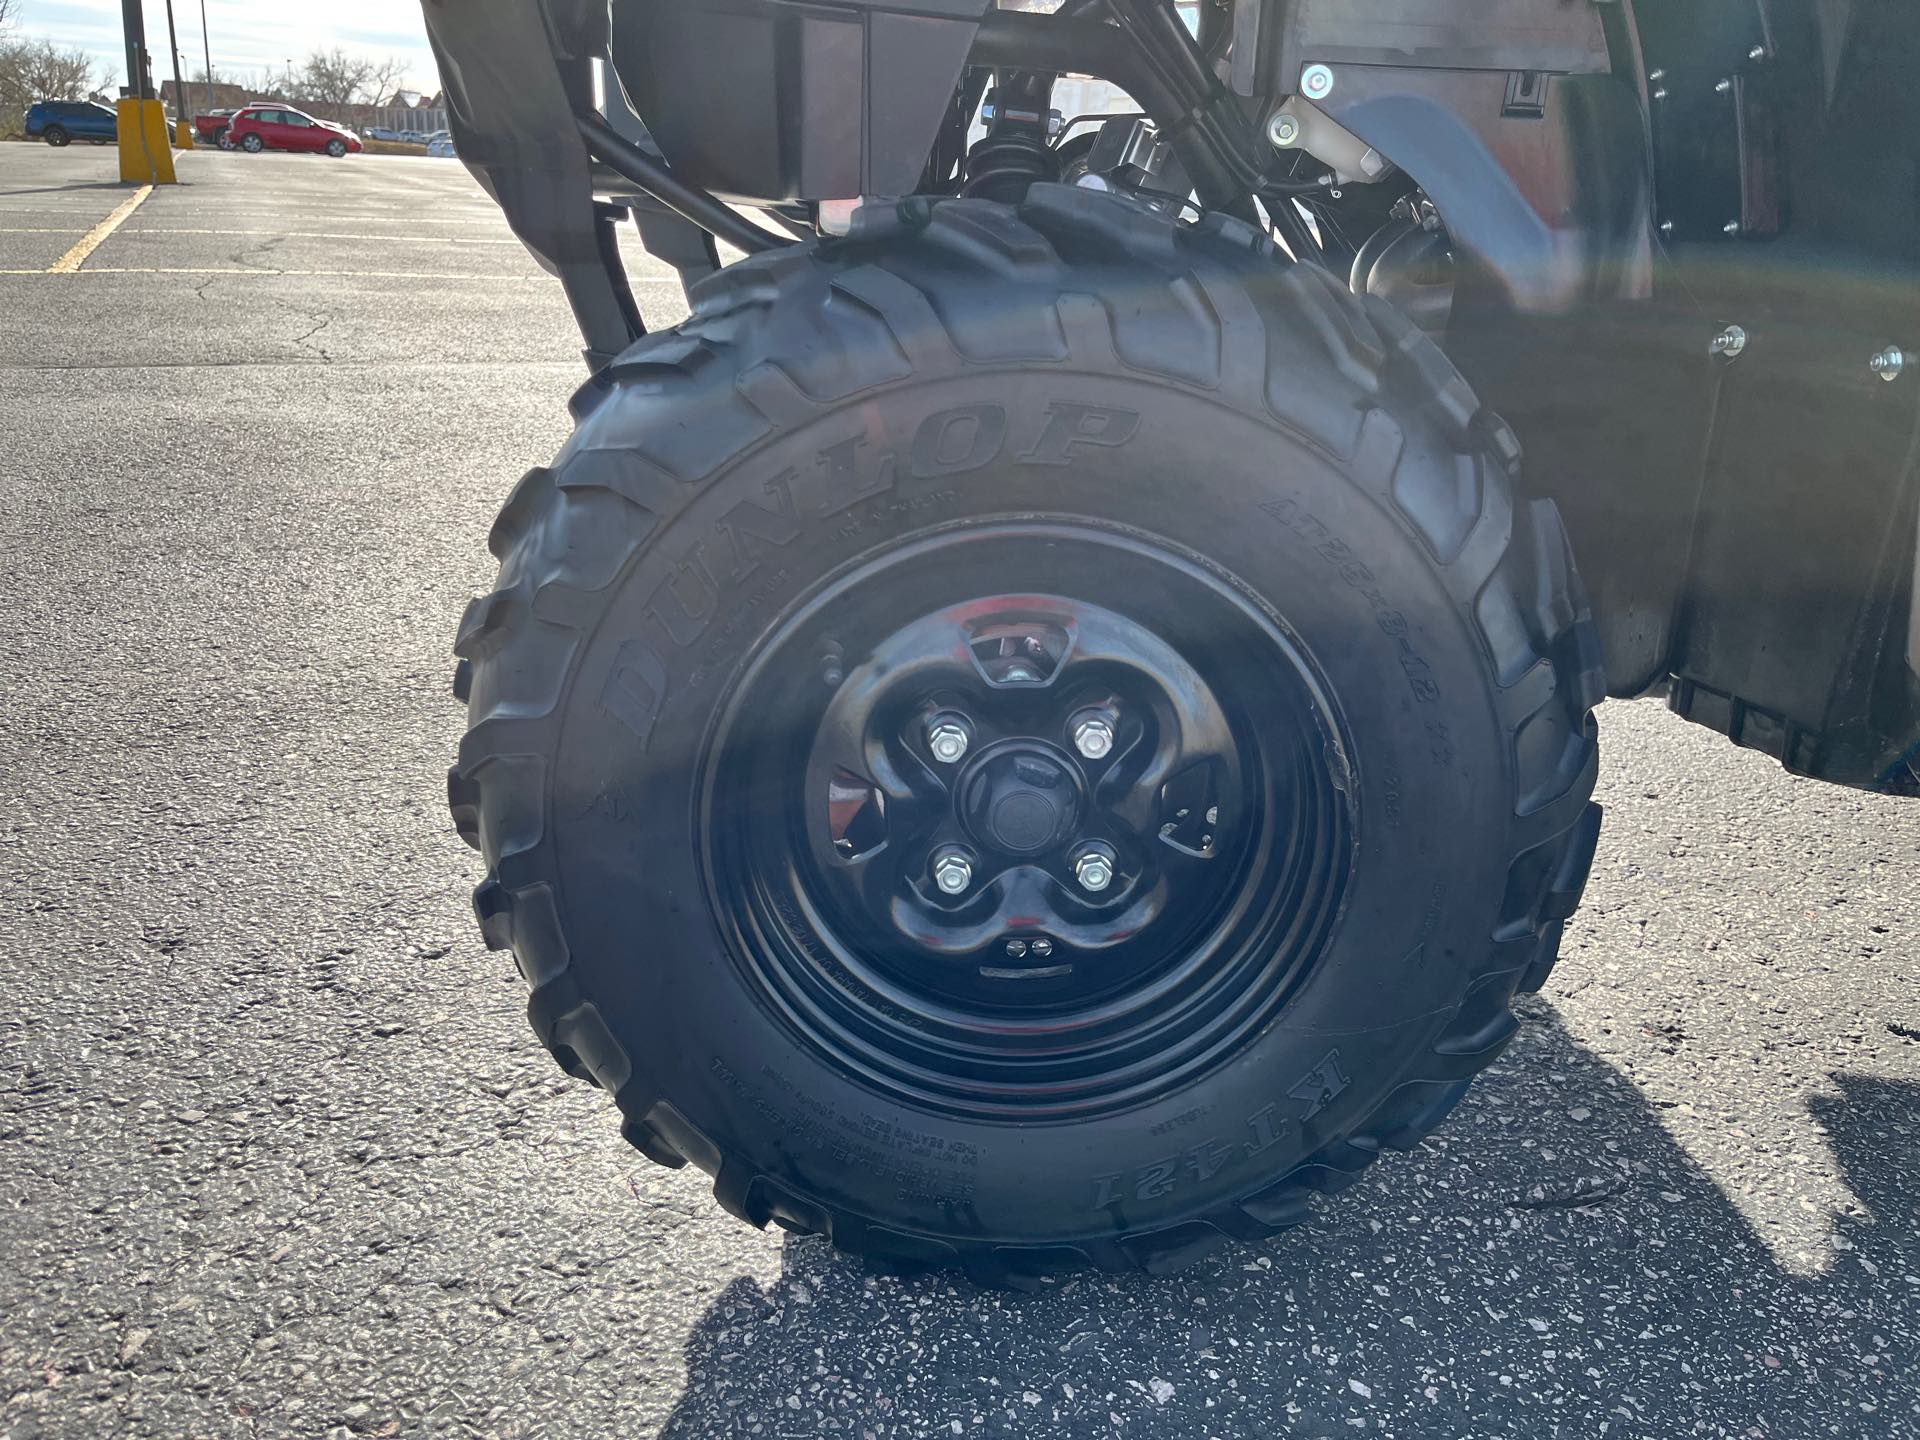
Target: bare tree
{"type": "Point", "coordinates": [33, 70]}
{"type": "Point", "coordinates": [7, 7]}
{"type": "Point", "coordinates": [332, 80]}
{"type": "Point", "coordinates": [385, 81]}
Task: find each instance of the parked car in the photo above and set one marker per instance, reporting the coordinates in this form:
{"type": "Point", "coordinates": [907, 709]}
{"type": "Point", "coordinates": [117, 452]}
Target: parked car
{"type": "Point", "coordinates": [211, 127]}
{"type": "Point", "coordinates": [440, 145]}
{"type": "Point", "coordinates": [383, 132]}
{"type": "Point", "coordinates": [61, 122]}
{"type": "Point", "coordinates": [270, 126]}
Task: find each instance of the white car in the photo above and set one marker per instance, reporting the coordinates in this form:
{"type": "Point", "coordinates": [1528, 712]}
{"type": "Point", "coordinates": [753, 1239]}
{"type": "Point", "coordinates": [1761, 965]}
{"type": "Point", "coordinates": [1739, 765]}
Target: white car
{"type": "Point", "coordinates": [440, 144]}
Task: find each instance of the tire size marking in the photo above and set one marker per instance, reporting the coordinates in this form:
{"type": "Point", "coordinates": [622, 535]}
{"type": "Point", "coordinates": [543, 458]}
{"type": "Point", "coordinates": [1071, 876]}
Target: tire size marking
{"type": "Point", "coordinates": [1340, 556]}
{"type": "Point", "coordinates": [1267, 1127]}
{"type": "Point", "coordinates": [1185, 1117]}
{"type": "Point", "coordinates": [923, 1167]}
{"type": "Point", "coordinates": [848, 477]}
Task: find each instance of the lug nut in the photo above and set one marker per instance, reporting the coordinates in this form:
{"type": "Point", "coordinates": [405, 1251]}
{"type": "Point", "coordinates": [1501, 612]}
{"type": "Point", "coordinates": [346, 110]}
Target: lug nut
{"type": "Point", "coordinates": [952, 872]}
{"type": "Point", "coordinates": [1889, 363]}
{"type": "Point", "coordinates": [1093, 737]}
{"type": "Point", "coordinates": [1093, 870]}
{"type": "Point", "coordinates": [948, 739]}
{"type": "Point", "coordinates": [1042, 948]}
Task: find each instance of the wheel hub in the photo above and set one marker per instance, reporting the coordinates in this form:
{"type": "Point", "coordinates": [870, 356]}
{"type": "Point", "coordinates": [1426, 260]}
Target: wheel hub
{"type": "Point", "coordinates": [1031, 853]}
{"type": "Point", "coordinates": [1020, 799]}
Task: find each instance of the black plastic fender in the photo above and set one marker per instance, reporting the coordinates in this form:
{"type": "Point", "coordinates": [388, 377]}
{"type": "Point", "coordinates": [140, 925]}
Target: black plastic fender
{"type": "Point", "coordinates": [1553, 208]}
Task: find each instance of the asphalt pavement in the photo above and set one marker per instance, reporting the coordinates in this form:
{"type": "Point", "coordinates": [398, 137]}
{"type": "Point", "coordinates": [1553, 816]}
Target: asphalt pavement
{"type": "Point", "coordinates": [280, 1157]}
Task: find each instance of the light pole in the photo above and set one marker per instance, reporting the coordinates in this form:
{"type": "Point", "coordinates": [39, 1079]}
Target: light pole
{"type": "Point", "coordinates": [207, 48]}
{"type": "Point", "coordinates": [179, 89]}
{"type": "Point", "coordinates": [135, 25]}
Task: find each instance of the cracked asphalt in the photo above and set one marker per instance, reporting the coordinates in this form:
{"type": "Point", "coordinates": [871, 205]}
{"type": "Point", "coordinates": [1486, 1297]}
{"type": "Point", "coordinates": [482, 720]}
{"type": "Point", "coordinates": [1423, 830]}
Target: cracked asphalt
{"type": "Point", "coordinates": [279, 1156]}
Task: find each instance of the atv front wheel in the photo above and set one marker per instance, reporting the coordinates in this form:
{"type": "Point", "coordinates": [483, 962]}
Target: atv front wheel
{"type": "Point", "coordinates": [1029, 739]}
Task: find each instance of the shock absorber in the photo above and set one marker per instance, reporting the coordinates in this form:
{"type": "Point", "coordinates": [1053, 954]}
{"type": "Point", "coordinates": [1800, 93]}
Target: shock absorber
{"type": "Point", "coordinates": [1015, 151]}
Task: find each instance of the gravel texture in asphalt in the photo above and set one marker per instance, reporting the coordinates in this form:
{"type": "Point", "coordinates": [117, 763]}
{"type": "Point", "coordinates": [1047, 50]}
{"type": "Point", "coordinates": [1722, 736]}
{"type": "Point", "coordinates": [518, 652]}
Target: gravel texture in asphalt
{"type": "Point", "coordinates": [280, 1157]}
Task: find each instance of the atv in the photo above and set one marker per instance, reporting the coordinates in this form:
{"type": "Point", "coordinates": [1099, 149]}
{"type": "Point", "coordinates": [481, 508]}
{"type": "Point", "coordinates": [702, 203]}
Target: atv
{"type": "Point", "coordinates": [1046, 725]}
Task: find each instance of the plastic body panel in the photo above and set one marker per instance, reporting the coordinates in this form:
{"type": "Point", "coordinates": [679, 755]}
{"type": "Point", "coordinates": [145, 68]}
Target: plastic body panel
{"type": "Point", "coordinates": [775, 100]}
{"type": "Point", "coordinates": [1553, 209]}
{"type": "Point", "coordinates": [1439, 35]}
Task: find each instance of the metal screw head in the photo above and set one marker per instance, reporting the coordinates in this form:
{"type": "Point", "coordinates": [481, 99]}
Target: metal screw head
{"type": "Point", "coordinates": [1042, 948]}
{"type": "Point", "coordinates": [1758, 52]}
{"type": "Point", "coordinates": [1721, 87]}
{"type": "Point", "coordinates": [1656, 75]}
{"type": "Point", "coordinates": [1093, 870]}
{"type": "Point", "coordinates": [1316, 82]}
{"type": "Point", "coordinates": [948, 739]}
{"type": "Point", "coordinates": [1729, 342]}
{"type": "Point", "coordinates": [1889, 363]}
{"type": "Point", "coordinates": [1732, 227]}
{"type": "Point", "coordinates": [952, 872]}
{"type": "Point", "coordinates": [1666, 227]}
{"type": "Point", "coordinates": [1661, 93]}
{"type": "Point", "coordinates": [1093, 737]}
{"type": "Point", "coordinates": [1282, 130]}
{"type": "Point", "coordinates": [1016, 949]}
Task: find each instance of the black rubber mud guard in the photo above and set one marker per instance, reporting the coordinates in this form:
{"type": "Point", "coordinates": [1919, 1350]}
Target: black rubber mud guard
{"type": "Point", "coordinates": [1499, 182]}
{"type": "Point", "coordinates": [509, 108]}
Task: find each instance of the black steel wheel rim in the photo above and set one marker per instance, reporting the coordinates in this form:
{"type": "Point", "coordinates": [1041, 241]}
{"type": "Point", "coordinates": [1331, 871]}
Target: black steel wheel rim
{"type": "Point", "coordinates": [1219, 806]}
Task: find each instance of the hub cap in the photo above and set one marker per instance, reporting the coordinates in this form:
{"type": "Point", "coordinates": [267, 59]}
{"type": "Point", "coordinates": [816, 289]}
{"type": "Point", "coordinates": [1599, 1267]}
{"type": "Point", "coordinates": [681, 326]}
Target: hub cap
{"type": "Point", "coordinates": [1020, 799]}
{"type": "Point", "coordinates": [1138, 855]}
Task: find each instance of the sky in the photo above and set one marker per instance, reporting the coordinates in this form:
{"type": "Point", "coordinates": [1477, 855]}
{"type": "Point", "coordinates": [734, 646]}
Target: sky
{"type": "Point", "coordinates": [249, 37]}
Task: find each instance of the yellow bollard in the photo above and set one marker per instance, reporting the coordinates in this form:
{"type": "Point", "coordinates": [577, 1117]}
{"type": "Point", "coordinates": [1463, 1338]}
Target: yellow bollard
{"type": "Point", "coordinates": [146, 154]}
{"type": "Point", "coordinates": [183, 134]}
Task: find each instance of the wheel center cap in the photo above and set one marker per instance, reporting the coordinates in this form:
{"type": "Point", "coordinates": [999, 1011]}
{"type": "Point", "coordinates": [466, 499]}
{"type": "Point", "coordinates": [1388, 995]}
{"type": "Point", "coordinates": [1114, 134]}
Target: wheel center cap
{"type": "Point", "coordinates": [1020, 799]}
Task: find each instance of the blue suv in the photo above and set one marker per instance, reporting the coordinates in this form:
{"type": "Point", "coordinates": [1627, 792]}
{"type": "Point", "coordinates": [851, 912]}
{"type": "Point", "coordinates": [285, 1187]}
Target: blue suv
{"type": "Point", "coordinates": [61, 122]}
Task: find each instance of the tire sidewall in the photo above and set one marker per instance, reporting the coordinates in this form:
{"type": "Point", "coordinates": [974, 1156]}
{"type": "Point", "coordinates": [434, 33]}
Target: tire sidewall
{"type": "Point", "coordinates": [1316, 544]}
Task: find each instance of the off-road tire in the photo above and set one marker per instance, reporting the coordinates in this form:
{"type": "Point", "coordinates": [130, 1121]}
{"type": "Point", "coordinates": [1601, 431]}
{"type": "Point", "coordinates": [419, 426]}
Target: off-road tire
{"type": "Point", "coordinates": [1308, 435]}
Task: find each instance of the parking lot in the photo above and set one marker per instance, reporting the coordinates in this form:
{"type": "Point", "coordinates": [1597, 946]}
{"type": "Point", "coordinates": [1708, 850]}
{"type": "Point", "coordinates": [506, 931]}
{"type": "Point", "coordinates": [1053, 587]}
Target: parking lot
{"type": "Point", "coordinates": [279, 1155]}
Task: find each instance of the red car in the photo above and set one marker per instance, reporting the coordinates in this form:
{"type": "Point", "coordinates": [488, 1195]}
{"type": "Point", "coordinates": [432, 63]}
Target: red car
{"type": "Point", "coordinates": [272, 126]}
{"type": "Point", "coordinates": [211, 126]}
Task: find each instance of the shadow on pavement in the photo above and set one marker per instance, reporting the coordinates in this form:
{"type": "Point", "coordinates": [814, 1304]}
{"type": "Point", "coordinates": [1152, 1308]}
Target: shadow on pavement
{"type": "Point", "coordinates": [1462, 1291]}
{"type": "Point", "coordinates": [76, 185]}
